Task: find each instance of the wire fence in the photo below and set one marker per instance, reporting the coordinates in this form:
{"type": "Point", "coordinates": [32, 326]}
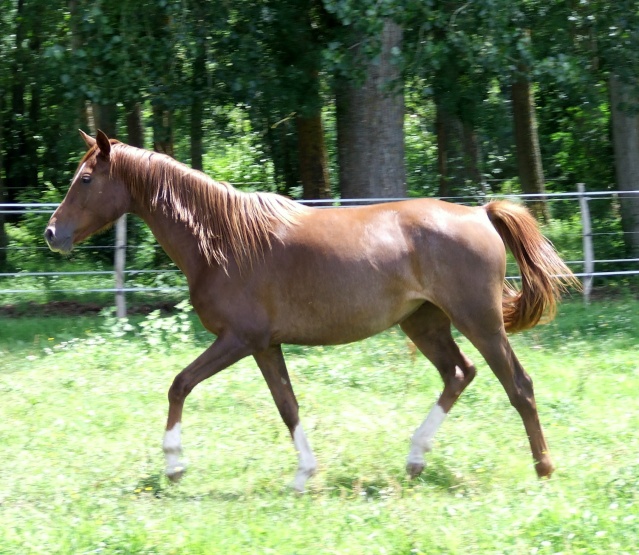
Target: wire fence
{"type": "Point", "coordinates": [19, 285]}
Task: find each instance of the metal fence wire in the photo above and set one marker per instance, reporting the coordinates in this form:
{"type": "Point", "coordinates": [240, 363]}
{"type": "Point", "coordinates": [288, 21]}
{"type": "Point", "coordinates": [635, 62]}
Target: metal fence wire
{"type": "Point", "coordinates": [121, 281]}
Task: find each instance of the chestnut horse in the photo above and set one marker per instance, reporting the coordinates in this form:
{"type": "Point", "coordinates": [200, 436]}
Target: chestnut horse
{"type": "Point", "coordinates": [263, 270]}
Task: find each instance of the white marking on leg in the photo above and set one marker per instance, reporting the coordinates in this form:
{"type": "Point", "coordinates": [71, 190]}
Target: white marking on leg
{"type": "Point", "coordinates": [422, 440]}
{"type": "Point", "coordinates": [172, 447]}
{"type": "Point", "coordinates": [307, 465]}
{"type": "Point", "coordinates": [459, 373]}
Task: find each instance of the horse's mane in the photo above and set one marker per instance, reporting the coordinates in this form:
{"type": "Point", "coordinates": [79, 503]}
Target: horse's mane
{"type": "Point", "coordinates": [226, 222]}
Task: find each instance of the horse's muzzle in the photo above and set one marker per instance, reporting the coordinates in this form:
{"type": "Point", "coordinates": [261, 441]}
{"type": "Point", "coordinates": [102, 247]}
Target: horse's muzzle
{"type": "Point", "coordinates": [62, 243]}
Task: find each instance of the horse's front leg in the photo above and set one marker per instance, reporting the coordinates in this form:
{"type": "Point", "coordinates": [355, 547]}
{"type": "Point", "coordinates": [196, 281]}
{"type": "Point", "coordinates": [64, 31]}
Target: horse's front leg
{"type": "Point", "coordinates": [226, 350]}
{"type": "Point", "coordinates": [273, 367]}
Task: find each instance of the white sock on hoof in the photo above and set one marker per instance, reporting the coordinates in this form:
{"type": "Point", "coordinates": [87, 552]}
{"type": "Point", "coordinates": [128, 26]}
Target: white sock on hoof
{"type": "Point", "coordinates": [172, 446]}
{"type": "Point", "coordinates": [422, 440]}
{"type": "Point", "coordinates": [307, 465]}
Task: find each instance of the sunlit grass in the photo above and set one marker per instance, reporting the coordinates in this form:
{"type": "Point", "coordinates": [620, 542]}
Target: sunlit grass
{"type": "Point", "coordinates": [82, 413]}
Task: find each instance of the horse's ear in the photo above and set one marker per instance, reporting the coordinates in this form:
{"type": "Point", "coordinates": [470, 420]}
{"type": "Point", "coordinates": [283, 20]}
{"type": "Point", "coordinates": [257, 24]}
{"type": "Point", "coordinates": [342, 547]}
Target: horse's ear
{"type": "Point", "coordinates": [103, 143]}
{"type": "Point", "coordinates": [90, 141]}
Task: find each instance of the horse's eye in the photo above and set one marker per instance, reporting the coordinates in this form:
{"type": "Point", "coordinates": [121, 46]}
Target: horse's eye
{"type": "Point", "coordinates": [86, 178]}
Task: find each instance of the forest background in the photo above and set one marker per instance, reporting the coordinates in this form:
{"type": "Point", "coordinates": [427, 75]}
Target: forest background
{"type": "Point", "coordinates": [330, 99]}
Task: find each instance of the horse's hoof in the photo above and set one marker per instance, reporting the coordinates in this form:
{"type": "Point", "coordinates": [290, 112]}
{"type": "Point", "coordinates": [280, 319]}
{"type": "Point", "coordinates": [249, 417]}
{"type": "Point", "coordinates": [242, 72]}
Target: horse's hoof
{"type": "Point", "coordinates": [297, 488]}
{"type": "Point", "coordinates": [299, 483]}
{"type": "Point", "coordinates": [544, 468]}
{"type": "Point", "coordinates": [175, 473]}
{"type": "Point", "coordinates": [414, 469]}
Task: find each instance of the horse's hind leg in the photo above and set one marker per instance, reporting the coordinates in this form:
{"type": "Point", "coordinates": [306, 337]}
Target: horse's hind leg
{"type": "Point", "coordinates": [429, 328]}
{"type": "Point", "coordinates": [496, 349]}
{"type": "Point", "coordinates": [273, 367]}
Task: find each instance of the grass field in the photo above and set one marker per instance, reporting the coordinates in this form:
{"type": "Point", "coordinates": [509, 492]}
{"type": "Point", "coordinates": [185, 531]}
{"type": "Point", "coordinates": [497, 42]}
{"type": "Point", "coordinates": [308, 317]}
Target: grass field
{"type": "Point", "coordinates": [83, 403]}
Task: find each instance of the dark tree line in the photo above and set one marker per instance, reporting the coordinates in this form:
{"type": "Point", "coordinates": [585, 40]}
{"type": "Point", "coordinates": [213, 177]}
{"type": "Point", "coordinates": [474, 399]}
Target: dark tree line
{"type": "Point", "coordinates": [358, 99]}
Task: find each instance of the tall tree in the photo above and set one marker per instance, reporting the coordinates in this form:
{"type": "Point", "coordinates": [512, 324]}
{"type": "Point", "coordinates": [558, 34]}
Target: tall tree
{"type": "Point", "coordinates": [198, 88]}
{"type": "Point", "coordinates": [522, 17]}
{"type": "Point", "coordinates": [98, 52]}
{"type": "Point", "coordinates": [21, 159]}
{"type": "Point", "coordinates": [458, 154]}
{"type": "Point", "coordinates": [134, 124]}
{"type": "Point", "coordinates": [277, 75]}
{"type": "Point", "coordinates": [164, 77]}
{"type": "Point", "coordinates": [3, 197]}
{"type": "Point", "coordinates": [458, 91]}
{"type": "Point", "coordinates": [624, 102]}
{"type": "Point", "coordinates": [531, 173]}
{"type": "Point", "coordinates": [78, 100]}
{"type": "Point", "coordinates": [313, 157]}
{"type": "Point", "coordinates": [618, 46]}
{"type": "Point", "coordinates": [312, 152]}
{"type": "Point", "coordinates": [4, 86]}
{"type": "Point", "coordinates": [370, 119]}
{"type": "Point", "coordinates": [104, 116]}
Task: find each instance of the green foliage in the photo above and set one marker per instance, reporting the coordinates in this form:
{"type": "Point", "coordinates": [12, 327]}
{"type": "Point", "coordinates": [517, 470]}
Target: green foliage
{"type": "Point", "coordinates": [421, 147]}
{"type": "Point", "coordinates": [238, 155]}
{"type": "Point", "coordinates": [265, 63]}
{"type": "Point", "coordinates": [166, 331]}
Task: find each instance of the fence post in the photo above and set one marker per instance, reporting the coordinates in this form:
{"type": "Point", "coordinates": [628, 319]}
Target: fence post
{"type": "Point", "coordinates": [119, 264]}
{"type": "Point", "coordinates": [589, 254]}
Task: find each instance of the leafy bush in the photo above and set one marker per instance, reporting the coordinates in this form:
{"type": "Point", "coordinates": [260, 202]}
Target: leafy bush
{"type": "Point", "coordinates": [157, 331]}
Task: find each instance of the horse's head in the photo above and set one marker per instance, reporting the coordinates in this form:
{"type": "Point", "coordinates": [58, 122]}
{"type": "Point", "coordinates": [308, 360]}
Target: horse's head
{"type": "Point", "coordinates": [94, 201]}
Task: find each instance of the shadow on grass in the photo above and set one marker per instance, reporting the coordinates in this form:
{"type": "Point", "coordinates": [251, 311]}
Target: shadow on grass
{"type": "Point", "coordinates": [434, 476]}
{"type": "Point", "coordinates": [247, 491]}
{"type": "Point", "coordinates": [340, 484]}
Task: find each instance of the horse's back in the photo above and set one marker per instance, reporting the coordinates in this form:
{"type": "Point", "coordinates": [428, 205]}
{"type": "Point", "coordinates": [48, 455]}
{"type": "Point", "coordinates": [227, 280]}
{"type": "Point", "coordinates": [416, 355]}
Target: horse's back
{"type": "Point", "coordinates": [436, 232]}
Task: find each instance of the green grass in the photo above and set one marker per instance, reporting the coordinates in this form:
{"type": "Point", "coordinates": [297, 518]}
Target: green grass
{"type": "Point", "coordinates": [81, 421]}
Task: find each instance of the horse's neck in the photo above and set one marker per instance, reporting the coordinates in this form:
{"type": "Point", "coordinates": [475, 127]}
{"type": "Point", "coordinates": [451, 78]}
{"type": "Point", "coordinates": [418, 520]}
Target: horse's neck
{"type": "Point", "coordinates": [175, 238]}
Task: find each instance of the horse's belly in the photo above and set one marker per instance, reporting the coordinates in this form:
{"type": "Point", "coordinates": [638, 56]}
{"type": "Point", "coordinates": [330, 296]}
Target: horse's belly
{"type": "Point", "coordinates": [331, 323]}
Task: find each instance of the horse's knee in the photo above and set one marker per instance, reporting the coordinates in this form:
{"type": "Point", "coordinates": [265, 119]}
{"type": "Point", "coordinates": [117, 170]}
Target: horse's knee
{"type": "Point", "coordinates": [179, 389]}
{"type": "Point", "coordinates": [522, 395]}
{"type": "Point", "coordinates": [469, 373]}
{"type": "Point", "coordinates": [460, 378]}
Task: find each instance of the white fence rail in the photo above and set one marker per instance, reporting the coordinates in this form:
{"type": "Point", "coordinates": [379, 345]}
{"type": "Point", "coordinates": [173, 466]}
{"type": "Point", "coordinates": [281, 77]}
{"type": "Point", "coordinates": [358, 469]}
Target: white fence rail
{"type": "Point", "coordinates": [590, 264]}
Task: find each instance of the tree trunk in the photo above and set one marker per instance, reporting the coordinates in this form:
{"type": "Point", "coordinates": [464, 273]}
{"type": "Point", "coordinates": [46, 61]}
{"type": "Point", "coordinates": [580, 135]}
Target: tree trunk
{"type": "Point", "coordinates": [163, 130]}
{"type": "Point", "coordinates": [17, 158]}
{"type": "Point", "coordinates": [370, 131]}
{"type": "Point", "coordinates": [281, 141]}
{"type": "Point", "coordinates": [472, 158]}
{"type": "Point", "coordinates": [529, 164]}
{"type": "Point", "coordinates": [35, 102]}
{"type": "Point", "coordinates": [3, 197]}
{"type": "Point", "coordinates": [197, 106]}
{"type": "Point", "coordinates": [457, 154]}
{"type": "Point", "coordinates": [105, 118]}
{"type": "Point", "coordinates": [80, 108]}
{"type": "Point", "coordinates": [625, 131]}
{"type": "Point", "coordinates": [313, 157]}
{"type": "Point", "coordinates": [450, 155]}
{"type": "Point", "coordinates": [134, 125]}
{"type": "Point", "coordinates": [441, 130]}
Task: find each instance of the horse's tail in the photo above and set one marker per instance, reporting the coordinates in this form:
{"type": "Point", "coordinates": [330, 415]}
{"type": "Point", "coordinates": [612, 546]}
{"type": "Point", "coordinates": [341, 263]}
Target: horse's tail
{"type": "Point", "coordinates": [544, 276]}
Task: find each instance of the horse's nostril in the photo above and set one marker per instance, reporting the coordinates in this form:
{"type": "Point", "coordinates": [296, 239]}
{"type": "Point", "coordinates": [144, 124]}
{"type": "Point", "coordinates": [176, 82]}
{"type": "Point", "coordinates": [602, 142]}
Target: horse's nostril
{"type": "Point", "coordinates": [48, 234]}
